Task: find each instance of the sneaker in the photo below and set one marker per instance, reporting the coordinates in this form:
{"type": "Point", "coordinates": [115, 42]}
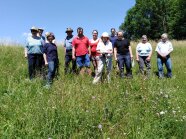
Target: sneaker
{"type": "Point", "coordinates": [47, 86]}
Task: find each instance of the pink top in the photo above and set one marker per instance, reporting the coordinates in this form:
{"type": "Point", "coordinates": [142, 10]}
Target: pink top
{"type": "Point", "coordinates": [93, 45]}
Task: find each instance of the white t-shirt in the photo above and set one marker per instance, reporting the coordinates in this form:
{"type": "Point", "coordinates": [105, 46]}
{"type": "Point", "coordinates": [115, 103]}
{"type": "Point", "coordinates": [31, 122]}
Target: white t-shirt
{"type": "Point", "coordinates": [144, 49]}
{"type": "Point", "coordinates": [104, 47]}
{"type": "Point", "coordinates": [164, 47]}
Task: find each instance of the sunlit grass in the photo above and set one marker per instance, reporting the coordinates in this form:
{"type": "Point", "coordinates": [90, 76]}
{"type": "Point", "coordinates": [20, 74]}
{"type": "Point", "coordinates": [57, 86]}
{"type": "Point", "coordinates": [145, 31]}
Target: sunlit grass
{"type": "Point", "coordinates": [75, 108]}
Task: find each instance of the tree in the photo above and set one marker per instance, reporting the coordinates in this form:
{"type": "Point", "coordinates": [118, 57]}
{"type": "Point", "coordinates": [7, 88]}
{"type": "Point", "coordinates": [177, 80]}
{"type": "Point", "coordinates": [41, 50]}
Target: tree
{"type": "Point", "coordinates": [154, 17]}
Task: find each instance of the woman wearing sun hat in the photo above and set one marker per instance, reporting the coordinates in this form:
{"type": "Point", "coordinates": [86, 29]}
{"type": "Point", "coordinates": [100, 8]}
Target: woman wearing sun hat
{"type": "Point", "coordinates": [33, 51]}
{"type": "Point", "coordinates": [104, 48]}
{"type": "Point", "coordinates": [51, 58]}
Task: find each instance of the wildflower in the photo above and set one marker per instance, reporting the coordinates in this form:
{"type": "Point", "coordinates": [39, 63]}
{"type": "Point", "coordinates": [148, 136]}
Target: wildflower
{"type": "Point", "coordinates": [162, 112]}
{"type": "Point", "coordinates": [184, 117]}
{"type": "Point", "coordinates": [93, 97]}
{"type": "Point", "coordinates": [100, 126]}
{"type": "Point", "coordinates": [174, 112]}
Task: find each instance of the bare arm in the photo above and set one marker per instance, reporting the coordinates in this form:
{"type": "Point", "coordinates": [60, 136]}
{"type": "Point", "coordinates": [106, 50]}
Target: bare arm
{"type": "Point", "coordinates": [26, 52]}
{"type": "Point", "coordinates": [73, 53]}
{"type": "Point", "coordinates": [115, 53]}
{"type": "Point", "coordinates": [45, 59]}
{"type": "Point", "coordinates": [130, 51]}
{"type": "Point", "coordinates": [137, 56]}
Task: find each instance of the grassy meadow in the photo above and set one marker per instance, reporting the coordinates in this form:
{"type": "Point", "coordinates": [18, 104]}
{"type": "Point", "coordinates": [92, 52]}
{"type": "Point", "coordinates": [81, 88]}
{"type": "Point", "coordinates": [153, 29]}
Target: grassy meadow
{"type": "Point", "coordinates": [75, 108]}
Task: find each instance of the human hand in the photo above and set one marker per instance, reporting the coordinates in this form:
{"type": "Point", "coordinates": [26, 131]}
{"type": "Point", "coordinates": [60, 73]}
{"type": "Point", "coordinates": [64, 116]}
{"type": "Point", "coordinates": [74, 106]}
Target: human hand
{"type": "Point", "coordinates": [148, 58]}
{"type": "Point", "coordinates": [73, 57]}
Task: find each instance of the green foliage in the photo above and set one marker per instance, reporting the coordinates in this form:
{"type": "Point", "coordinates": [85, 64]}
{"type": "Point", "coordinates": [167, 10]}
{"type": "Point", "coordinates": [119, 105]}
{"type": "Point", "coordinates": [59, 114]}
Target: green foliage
{"type": "Point", "coordinates": [154, 17]}
{"type": "Point", "coordinates": [75, 108]}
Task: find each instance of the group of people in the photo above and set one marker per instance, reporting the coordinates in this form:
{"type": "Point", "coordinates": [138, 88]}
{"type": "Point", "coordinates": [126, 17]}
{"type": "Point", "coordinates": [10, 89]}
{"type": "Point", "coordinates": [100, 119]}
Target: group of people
{"type": "Point", "coordinates": [81, 51]}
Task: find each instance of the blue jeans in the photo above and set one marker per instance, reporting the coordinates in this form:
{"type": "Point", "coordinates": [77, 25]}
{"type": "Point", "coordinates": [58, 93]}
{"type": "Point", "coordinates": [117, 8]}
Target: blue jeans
{"type": "Point", "coordinates": [125, 60]}
{"type": "Point", "coordinates": [52, 67]}
{"type": "Point", "coordinates": [168, 64]}
{"type": "Point", "coordinates": [83, 61]}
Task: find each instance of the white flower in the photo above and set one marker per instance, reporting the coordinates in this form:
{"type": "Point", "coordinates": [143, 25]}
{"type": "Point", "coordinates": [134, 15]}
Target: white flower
{"type": "Point", "coordinates": [100, 126]}
{"type": "Point", "coordinates": [162, 113]}
{"type": "Point", "coordinates": [174, 112]}
{"type": "Point", "coordinates": [184, 117]}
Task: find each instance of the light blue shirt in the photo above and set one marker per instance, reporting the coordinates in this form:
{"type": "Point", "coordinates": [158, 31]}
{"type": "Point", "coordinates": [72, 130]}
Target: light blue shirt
{"type": "Point", "coordinates": [68, 42]}
{"type": "Point", "coordinates": [144, 49]}
{"type": "Point", "coordinates": [34, 45]}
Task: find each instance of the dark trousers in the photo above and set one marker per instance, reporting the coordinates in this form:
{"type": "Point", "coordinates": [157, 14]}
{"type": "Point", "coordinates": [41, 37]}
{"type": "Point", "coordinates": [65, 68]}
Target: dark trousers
{"type": "Point", "coordinates": [35, 62]}
{"type": "Point", "coordinates": [142, 62]}
{"type": "Point", "coordinates": [68, 59]}
{"type": "Point", "coordinates": [125, 61]}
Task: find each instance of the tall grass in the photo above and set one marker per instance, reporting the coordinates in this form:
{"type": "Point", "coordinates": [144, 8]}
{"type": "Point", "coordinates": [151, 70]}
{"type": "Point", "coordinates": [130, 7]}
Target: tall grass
{"type": "Point", "coordinates": [75, 108]}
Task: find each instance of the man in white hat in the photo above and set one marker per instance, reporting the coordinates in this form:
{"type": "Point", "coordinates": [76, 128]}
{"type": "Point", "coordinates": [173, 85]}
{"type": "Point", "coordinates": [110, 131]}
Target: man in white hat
{"type": "Point", "coordinates": [104, 48]}
{"type": "Point", "coordinates": [40, 33]}
{"type": "Point", "coordinates": [163, 49]}
{"type": "Point", "coordinates": [33, 51]}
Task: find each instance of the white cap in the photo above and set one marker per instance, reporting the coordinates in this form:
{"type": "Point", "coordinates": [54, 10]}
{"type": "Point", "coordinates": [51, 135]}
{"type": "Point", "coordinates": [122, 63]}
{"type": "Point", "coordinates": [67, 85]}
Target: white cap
{"type": "Point", "coordinates": [105, 34]}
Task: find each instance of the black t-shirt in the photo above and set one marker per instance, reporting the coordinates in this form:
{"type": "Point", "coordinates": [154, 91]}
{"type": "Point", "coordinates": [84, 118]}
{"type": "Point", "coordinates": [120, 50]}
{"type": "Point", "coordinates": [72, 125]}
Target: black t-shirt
{"type": "Point", "coordinates": [122, 46]}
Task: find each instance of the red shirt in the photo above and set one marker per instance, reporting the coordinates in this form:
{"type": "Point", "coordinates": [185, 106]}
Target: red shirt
{"type": "Point", "coordinates": [81, 45]}
{"type": "Point", "coordinates": [93, 46]}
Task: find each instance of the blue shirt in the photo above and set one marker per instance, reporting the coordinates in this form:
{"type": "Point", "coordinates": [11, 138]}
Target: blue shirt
{"type": "Point", "coordinates": [144, 49]}
{"type": "Point", "coordinates": [50, 49]}
{"type": "Point", "coordinates": [68, 42]}
{"type": "Point", "coordinates": [113, 40]}
{"type": "Point", "coordinates": [34, 45]}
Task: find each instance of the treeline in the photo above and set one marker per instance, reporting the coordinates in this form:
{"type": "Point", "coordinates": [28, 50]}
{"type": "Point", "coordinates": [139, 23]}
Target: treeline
{"type": "Point", "coordinates": [154, 17]}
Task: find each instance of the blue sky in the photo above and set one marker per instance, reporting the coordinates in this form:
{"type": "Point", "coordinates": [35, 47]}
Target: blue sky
{"type": "Point", "coordinates": [18, 16]}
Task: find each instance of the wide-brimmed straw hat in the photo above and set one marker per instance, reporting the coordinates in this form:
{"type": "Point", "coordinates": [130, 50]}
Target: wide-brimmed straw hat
{"type": "Point", "coordinates": [69, 30]}
{"type": "Point", "coordinates": [34, 28]}
{"type": "Point", "coordinates": [41, 29]}
{"type": "Point", "coordinates": [49, 34]}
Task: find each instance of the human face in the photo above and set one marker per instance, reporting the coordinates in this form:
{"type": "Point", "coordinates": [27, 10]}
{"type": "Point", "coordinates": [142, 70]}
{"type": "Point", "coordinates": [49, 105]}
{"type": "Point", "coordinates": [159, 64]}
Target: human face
{"type": "Point", "coordinates": [34, 32]}
{"type": "Point", "coordinates": [144, 40]}
{"type": "Point", "coordinates": [113, 31]}
{"type": "Point", "coordinates": [95, 35]}
{"type": "Point", "coordinates": [105, 39]}
{"type": "Point", "coordinates": [69, 33]}
{"type": "Point", "coordinates": [120, 35]}
{"type": "Point", "coordinates": [80, 32]}
{"type": "Point", "coordinates": [50, 39]}
{"type": "Point", "coordinates": [40, 32]}
{"type": "Point", "coordinates": [163, 39]}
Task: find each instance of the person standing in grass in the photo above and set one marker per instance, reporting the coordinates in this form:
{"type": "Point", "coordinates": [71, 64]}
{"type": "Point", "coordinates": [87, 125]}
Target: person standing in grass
{"type": "Point", "coordinates": [68, 51]}
{"type": "Point", "coordinates": [94, 54]}
{"type": "Point", "coordinates": [33, 51]}
{"type": "Point", "coordinates": [113, 36]}
{"type": "Point", "coordinates": [123, 54]}
{"type": "Point", "coordinates": [104, 48]}
{"type": "Point", "coordinates": [80, 52]}
{"type": "Point", "coordinates": [40, 33]}
{"type": "Point", "coordinates": [143, 55]}
{"type": "Point", "coordinates": [51, 58]}
{"type": "Point", "coordinates": [163, 49]}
